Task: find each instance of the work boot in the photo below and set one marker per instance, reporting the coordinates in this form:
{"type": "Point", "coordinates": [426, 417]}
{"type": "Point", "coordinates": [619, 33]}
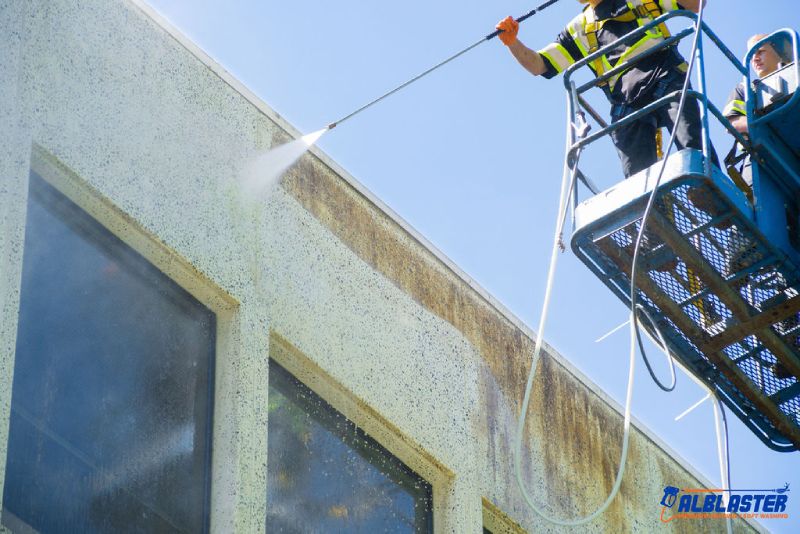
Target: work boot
{"type": "Point", "coordinates": [780, 371]}
{"type": "Point", "coordinates": [709, 314]}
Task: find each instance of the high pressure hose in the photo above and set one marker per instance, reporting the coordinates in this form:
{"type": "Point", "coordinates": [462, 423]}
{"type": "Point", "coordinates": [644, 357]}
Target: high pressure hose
{"type": "Point", "coordinates": [662, 344]}
{"type": "Point", "coordinates": [565, 186]}
{"type": "Point", "coordinates": [568, 183]}
{"type": "Point", "coordinates": [567, 179]}
{"type": "Point", "coordinates": [723, 455]}
{"type": "Point", "coordinates": [651, 202]}
{"type": "Point", "coordinates": [723, 439]}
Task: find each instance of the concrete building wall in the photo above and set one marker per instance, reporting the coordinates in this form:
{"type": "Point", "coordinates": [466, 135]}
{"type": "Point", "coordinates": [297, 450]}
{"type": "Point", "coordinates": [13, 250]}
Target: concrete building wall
{"type": "Point", "coordinates": [151, 137]}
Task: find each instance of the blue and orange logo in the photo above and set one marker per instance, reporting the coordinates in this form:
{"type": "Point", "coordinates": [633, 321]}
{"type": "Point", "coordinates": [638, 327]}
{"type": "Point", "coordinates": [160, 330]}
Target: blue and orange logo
{"type": "Point", "coordinates": [701, 503]}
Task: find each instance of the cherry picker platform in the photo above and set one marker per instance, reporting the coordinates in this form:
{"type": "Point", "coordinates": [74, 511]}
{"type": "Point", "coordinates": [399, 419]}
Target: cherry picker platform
{"type": "Point", "coordinates": [718, 273]}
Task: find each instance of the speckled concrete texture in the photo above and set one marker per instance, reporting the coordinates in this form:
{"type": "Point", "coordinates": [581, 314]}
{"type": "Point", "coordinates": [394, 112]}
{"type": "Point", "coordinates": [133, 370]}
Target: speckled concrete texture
{"type": "Point", "coordinates": [14, 164]}
{"type": "Point", "coordinates": [146, 128]}
{"type": "Point", "coordinates": [151, 137]}
{"type": "Point", "coordinates": [417, 371]}
{"type": "Point", "coordinates": [573, 450]}
{"type": "Point", "coordinates": [239, 474]}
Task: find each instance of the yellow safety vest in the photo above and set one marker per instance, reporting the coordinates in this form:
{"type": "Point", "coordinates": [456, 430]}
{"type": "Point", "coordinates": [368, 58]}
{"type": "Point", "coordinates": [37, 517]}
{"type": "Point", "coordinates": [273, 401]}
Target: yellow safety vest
{"type": "Point", "coordinates": [584, 28]}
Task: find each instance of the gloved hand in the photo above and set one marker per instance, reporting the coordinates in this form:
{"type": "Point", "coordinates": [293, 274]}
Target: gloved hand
{"type": "Point", "coordinates": [509, 29]}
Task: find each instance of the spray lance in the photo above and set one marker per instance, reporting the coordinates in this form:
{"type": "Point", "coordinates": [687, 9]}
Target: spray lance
{"type": "Point", "coordinates": [489, 37]}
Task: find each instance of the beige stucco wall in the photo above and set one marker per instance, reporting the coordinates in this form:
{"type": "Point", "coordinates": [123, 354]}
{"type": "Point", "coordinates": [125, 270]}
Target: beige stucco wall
{"type": "Point", "coordinates": [150, 136]}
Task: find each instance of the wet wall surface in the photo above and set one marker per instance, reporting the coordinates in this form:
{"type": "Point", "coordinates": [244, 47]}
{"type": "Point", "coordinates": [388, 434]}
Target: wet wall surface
{"type": "Point", "coordinates": [574, 435]}
{"type": "Point", "coordinates": [161, 133]}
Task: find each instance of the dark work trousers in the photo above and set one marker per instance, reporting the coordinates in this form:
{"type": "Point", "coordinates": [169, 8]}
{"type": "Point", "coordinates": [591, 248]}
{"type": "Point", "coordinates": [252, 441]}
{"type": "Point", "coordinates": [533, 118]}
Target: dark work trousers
{"type": "Point", "coordinates": [636, 142]}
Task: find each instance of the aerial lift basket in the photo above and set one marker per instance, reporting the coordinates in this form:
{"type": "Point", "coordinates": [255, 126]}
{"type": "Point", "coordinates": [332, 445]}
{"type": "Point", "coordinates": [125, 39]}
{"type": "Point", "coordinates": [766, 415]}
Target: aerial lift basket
{"type": "Point", "coordinates": [724, 298]}
{"type": "Point", "coordinates": [718, 275]}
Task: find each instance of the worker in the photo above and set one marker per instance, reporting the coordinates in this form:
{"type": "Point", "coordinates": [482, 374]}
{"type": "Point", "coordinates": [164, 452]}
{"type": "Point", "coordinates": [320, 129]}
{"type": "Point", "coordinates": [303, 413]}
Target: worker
{"type": "Point", "coordinates": [600, 23]}
{"type": "Point", "coordinates": [765, 61]}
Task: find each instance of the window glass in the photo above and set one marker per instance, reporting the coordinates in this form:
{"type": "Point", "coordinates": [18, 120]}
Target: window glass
{"type": "Point", "coordinates": [112, 393]}
{"type": "Point", "coordinates": [326, 475]}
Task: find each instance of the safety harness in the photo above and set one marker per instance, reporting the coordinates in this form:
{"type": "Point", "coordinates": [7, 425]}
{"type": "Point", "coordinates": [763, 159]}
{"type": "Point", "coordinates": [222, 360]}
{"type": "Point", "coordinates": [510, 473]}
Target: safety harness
{"type": "Point", "coordinates": [584, 31]}
{"type": "Point", "coordinates": [642, 12]}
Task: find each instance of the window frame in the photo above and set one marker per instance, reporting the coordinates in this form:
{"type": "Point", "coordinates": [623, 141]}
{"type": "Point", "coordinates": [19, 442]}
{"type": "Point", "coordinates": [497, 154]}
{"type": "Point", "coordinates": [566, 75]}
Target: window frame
{"type": "Point", "coordinates": [227, 336]}
{"type": "Point", "coordinates": [385, 433]}
{"type": "Point", "coordinates": [354, 438]}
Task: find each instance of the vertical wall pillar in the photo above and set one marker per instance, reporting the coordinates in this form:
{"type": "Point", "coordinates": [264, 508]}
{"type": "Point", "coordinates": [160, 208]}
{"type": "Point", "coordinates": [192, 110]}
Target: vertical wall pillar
{"type": "Point", "coordinates": [239, 472]}
{"type": "Point", "coordinates": [457, 506]}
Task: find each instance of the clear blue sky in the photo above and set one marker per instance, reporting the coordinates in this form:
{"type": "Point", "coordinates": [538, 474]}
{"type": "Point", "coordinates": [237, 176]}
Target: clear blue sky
{"type": "Point", "coordinates": [471, 157]}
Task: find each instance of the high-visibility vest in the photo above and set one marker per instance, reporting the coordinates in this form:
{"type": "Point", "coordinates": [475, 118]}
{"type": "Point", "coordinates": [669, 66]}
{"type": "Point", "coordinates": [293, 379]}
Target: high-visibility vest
{"type": "Point", "coordinates": [584, 28]}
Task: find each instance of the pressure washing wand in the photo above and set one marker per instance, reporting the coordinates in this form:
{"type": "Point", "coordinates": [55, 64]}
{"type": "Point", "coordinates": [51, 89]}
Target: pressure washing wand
{"type": "Point", "coordinates": [489, 37]}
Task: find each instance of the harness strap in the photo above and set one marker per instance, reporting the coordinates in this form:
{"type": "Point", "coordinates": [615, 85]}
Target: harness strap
{"type": "Point", "coordinates": [650, 9]}
{"type": "Point", "coordinates": [590, 28]}
{"type": "Point", "coordinates": [638, 11]}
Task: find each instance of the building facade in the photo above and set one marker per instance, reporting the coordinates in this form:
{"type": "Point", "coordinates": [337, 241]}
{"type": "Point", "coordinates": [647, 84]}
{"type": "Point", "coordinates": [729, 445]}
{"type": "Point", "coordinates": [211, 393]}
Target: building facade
{"type": "Point", "coordinates": [179, 355]}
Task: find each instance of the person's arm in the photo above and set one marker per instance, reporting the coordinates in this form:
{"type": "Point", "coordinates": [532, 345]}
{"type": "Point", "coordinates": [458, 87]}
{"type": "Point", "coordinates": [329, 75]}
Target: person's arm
{"type": "Point", "coordinates": [530, 59]}
{"type": "Point", "coordinates": [735, 110]}
{"type": "Point", "coordinates": [548, 62]}
{"type": "Point", "coordinates": [739, 122]}
{"type": "Point", "coordinates": [691, 5]}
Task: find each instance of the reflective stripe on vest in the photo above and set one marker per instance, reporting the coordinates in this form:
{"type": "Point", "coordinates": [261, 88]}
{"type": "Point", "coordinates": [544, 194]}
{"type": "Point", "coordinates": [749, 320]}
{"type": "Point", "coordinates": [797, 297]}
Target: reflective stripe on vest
{"type": "Point", "coordinates": [558, 56]}
{"type": "Point", "coordinates": [735, 107]}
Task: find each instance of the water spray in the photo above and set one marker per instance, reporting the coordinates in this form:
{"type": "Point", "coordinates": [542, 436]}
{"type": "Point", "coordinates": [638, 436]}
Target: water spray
{"type": "Point", "coordinates": [482, 40]}
{"type": "Point", "coordinates": [264, 171]}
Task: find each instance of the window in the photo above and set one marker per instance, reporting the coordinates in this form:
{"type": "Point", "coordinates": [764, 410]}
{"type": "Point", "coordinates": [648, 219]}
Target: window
{"type": "Point", "coordinates": [112, 395]}
{"type": "Point", "coordinates": [326, 475]}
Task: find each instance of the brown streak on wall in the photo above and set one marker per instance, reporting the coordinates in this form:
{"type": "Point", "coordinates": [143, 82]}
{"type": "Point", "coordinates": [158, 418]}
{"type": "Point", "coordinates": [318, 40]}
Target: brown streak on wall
{"type": "Point", "coordinates": [376, 239]}
{"type": "Point", "coordinates": [579, 440]}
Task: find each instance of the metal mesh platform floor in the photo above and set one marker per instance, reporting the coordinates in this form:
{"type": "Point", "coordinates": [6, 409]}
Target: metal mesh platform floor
{"type": "Point", "coordinates": [727, 302]}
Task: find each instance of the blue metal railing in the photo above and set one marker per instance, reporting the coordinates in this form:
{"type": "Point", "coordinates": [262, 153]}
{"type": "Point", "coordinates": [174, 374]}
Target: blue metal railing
{"type": "Point", "coordinates": [753, 119]}
{"type": "Point", "coordinates": [776, 171]}
{"type": "Point", "coordinates": [575, 101]}
{"type": "Point", "coordinates": [751, 100]}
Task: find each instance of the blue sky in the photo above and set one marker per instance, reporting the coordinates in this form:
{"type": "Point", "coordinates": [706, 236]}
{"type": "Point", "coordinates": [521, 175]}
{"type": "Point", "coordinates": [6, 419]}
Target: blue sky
{"type": "Point", "coordinates": [471, 156]}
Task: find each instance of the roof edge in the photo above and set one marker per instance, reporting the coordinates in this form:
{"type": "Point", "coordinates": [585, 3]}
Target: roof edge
{"type": "Point", "coordinates": [162, 22]}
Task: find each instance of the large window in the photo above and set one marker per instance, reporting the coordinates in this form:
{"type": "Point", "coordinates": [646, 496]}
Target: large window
{"type": "Point", "coordinates": [326, 475]}
{"type": "Point", "coordinates": [111, 401]}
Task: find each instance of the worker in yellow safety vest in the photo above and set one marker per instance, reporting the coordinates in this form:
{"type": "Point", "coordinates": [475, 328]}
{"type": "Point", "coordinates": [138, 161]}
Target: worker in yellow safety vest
{"type": "Point", "coordinates": [769, 58]}
{"type": "Point", "coordinates": [765, 61]}
{"type": "Point", "coordinates": [601, 23]}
